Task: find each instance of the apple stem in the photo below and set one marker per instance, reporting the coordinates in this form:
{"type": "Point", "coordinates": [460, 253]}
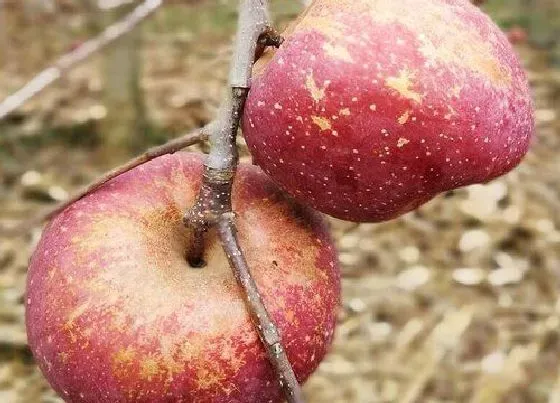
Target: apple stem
{"type": "Point", "coordinates": [267, 330]}
{"type": "Point", "coordinates": [170, 147]}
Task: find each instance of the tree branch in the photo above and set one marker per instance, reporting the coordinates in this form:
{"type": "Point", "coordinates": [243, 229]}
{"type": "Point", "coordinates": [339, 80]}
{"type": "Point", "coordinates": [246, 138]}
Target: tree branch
{"type": "Point", "coordinates": [214, 199]}
{"type": "Point", "coordinates": [213, 204]}
{"type": "Point", "coordinates": [268, 332]}
{"type": "Point", "coordinates": [168, 148]}
{"type": "Point", "coordinates": [81, 53]}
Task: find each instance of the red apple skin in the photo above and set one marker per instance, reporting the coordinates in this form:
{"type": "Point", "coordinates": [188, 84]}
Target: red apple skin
{"type": "Point", "coordinates": [114, 314]}
{"type": "Point", "coordinates": [372, 107]}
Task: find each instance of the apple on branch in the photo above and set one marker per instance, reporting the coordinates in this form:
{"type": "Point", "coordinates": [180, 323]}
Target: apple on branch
{"type": "Point", "coordinates": [114, 313]}
{"type": "Point", "coordinates": [371, 108]}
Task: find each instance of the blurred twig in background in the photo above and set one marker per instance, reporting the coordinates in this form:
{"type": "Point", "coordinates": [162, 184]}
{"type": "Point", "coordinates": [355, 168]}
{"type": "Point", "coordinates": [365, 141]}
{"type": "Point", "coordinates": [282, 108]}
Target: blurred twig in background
{"type": "Point", "coordinates": [81, 53]}
{"type": "Point", "coordinates": [170, 147]}
{"type": "Point", "coordinates": [3, 33]}
{"type": "Point", "coordinates": [122, 96]}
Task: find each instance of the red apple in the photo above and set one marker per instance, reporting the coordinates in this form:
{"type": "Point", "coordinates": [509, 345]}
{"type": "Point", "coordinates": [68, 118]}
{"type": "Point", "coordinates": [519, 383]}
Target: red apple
{"type": "Point", "coordinates": [115, 314]}
{"type": "Point", "coordinates": [370, 108]}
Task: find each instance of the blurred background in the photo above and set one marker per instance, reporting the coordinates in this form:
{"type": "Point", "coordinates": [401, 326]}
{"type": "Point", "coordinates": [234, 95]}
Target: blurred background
{"type": "Point", "coordinates": [456, 302]}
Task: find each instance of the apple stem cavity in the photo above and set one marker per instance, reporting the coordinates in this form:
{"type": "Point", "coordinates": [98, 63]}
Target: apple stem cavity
{"type": "Point", "coordinates": [195, 254]}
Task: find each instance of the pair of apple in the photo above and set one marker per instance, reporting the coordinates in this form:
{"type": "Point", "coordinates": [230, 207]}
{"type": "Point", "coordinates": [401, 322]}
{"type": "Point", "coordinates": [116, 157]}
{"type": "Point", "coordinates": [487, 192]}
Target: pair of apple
{"type": "Point", "coordinates": [369, 109]}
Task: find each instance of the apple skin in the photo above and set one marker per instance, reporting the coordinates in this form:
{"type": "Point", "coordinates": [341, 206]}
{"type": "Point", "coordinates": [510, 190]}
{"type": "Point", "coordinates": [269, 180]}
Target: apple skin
{"type": "Point", "coordinates": [115, 314]}
{"type": "Point", "coordinates": [370, 108]}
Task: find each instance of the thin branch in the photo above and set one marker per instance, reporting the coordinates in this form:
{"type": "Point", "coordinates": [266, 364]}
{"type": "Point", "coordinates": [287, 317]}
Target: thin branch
{"type": "Point", "coordinates": [168, 148]}
{"type": "Point", "coordinates": [214, 198]}
{"type": "Point", "coordinates": [213, 204]}
{"type": "Point", "coordinates": [253, 22]}
{"type": "Point", "coordinates": [112, 4]}
{"type": "Point", "coordinates": [78, 55]}
{"type": "Point", "coordinates": [266, 329]}
{"type": "Point", "coordinates": [3, 32]}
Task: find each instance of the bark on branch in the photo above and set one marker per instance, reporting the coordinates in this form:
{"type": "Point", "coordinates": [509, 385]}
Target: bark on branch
{"type": "Point", "coordinates": [213, 204]}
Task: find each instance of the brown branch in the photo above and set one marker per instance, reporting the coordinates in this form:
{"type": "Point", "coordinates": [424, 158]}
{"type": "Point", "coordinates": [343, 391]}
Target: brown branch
{"type": "Point", "coordinates": [168, 148]}
{"type": "Point", "coordinates": [266, 329]}
{"type": "Point", "coordinates": [51, 74]}
{"type": "Point", "coordinates": [214, 199]}
{"type": "Point", "coordinates": [213, 204]}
